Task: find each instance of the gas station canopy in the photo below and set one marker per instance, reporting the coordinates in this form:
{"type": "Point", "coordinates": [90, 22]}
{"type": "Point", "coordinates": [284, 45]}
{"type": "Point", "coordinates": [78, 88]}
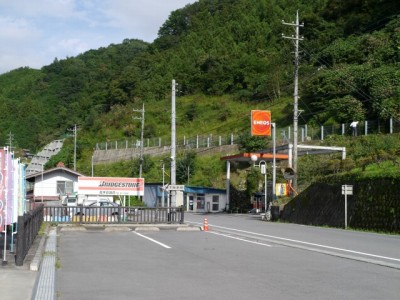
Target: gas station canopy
{"type": "Point", "coordinates": [246, 157]}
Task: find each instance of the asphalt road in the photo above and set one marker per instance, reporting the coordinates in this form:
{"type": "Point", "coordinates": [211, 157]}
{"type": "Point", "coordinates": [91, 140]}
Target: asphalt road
{"type": "Point", "coordinates": [240, 257]}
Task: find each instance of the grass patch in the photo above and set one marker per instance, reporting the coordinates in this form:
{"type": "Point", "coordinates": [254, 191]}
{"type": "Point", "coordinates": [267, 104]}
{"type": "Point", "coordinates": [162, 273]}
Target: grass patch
{"type": "Point", "coordinates": [58, 263]}
{"type": "Point", "coordinates": [43, 229]}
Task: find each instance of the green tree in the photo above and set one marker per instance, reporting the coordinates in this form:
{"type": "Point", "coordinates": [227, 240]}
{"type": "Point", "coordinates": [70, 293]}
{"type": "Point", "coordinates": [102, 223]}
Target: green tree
{"type": "Point", "coordinates": [185, 167]}
{"type": "Point", "coordinates": [249, 143]}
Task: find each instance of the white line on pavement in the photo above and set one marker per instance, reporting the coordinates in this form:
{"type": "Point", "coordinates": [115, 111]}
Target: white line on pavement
{"type": "Point", "coordinates": [153, 240]}
{"type": "Point", "coordinates": [239, 239]}
{"type": "Point", "coordinates": [305, 243]}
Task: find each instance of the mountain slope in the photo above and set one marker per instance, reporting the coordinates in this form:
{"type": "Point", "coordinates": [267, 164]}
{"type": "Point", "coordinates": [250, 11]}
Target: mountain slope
{"type": "Point", "coordinates": [231, 50]}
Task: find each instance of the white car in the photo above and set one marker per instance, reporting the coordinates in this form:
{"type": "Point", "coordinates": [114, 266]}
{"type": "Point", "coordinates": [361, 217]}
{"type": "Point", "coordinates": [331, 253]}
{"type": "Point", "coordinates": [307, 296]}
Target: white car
{"type": "Point", "coordinates": [102, 207]}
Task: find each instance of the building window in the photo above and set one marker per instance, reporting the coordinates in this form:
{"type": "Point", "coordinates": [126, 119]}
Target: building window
{"type": "Point", "coordinates": [65, 187]}
{"type": "Point", "coordinates": [200, 201]}
{"type": "Point", "coordinates": [215, 202]}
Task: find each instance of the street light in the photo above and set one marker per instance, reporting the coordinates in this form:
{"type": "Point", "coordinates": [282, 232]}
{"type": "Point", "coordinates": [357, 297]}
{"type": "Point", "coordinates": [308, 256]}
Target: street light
{"type": "Point", "coordinates": [263, 168]}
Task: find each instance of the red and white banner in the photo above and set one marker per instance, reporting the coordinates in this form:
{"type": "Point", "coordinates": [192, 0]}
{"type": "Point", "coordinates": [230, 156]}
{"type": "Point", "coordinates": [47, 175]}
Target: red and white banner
{"type": "Point", "coordinates": [110, 186]}
{"type": "Point", "coordinates": [6, 187]}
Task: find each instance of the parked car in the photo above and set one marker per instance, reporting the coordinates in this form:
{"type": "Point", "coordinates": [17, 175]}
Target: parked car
{"type": "Point", "coordinates": [102, 207]}
{"type": "Point", "coordinates": [70, 201]}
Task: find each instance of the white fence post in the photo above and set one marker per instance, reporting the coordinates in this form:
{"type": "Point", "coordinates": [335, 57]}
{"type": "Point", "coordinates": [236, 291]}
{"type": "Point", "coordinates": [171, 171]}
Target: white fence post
{"type": "Point", "coordinates": [306, 130]}
{"type": "Point", "coordinates": [322, 133]}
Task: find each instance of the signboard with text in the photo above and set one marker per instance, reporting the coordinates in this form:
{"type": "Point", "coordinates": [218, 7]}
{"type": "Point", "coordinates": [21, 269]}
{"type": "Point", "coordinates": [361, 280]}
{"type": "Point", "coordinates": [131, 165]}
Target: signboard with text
{"type": "Point", "coordinates": [347, 190]}
{"type": "Point", "coordinates": [175, 187]}
{"type": "Point", "coordinates": [260, 123]}
{"type": "Point", "coordinates": [111, 186]}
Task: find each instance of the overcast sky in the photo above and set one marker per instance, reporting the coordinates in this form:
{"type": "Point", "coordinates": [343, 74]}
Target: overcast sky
{"type": "Point", "coordinates": [34, 32]}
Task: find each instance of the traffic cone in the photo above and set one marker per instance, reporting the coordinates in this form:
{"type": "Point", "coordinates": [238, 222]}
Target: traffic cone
{"type": "Point", "coordinates": [205, 227]}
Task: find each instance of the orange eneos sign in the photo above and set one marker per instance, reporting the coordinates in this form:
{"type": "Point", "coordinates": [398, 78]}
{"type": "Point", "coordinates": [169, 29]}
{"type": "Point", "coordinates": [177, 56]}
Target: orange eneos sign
{"type": "Point", "coordinates": [261, 122]}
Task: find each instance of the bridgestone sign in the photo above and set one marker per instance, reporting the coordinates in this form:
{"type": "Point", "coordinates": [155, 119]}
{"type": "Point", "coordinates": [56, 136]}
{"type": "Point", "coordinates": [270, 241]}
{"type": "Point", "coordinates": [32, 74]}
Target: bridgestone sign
{"type": "Point", "coordinates": [110, 186]}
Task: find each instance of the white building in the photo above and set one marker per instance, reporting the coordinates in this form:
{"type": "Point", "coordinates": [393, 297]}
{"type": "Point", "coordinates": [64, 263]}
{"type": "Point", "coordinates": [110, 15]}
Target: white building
{"type": "Point", "coordinates": [50, 185]}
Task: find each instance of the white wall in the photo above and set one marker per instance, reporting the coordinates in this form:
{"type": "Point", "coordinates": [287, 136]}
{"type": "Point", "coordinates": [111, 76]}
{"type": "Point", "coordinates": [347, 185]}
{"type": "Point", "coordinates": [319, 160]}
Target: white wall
{"type": "Point", "coordinates": [48, 187]}
{"type": "Point", "coordinates": [208, 202]}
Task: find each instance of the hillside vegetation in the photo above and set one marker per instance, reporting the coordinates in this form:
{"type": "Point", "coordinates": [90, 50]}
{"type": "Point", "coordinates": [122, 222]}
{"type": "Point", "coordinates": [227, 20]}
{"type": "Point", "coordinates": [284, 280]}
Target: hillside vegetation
{"type": "Point", "coordinates": [228, 58]}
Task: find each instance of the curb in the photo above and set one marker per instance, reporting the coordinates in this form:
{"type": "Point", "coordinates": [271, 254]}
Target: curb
{"type": "Point", "coordinates": [112, 229]}
{"type": "Point", "coordinates": [126, 227]}
{"type": "Point", "coordinates": [147, 228]}
{"type": "Point", "coordinates": [188, 229]}
{"type": "Point", "coordinates": [35, 263]}
{"type": "Point", "coordinates": [73, 228]}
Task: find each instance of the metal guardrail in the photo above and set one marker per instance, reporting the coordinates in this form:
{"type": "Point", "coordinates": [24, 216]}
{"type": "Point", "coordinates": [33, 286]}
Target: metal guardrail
{"type": "Point", "coordinates": [28, 228]}
{"type": "Point", "coordinates": [113, 215]}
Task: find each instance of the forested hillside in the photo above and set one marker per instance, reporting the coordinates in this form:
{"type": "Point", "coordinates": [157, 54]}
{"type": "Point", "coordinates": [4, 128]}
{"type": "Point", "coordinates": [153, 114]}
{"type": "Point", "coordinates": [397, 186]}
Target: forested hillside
{"type": "Point", "coordinates": [229, 51]}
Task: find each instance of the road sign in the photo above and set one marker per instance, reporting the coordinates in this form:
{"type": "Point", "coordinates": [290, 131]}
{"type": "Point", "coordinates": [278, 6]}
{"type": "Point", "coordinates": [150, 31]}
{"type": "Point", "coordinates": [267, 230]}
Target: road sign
{"type": "Point", "coordinates": [347, 189]}
{"type": "Point", "coordinates": [175, 187]}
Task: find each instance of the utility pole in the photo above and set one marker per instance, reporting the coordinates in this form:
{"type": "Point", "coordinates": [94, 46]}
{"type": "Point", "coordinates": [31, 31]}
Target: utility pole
{"type": "Point", "coordinates": [163, 185]}
{"type": "Point", "coordinates": [75, 134]}
{"type": "Point", "coordinates": [296, 38]}
{"type": "Point", "coordinates": [10, 140]}
{"type": "Point", "coordinates": [141, 139]}
{"type": "Point", "coordinates": [173, 143]}
{"type": "Point", "coordinates": [74, 130]}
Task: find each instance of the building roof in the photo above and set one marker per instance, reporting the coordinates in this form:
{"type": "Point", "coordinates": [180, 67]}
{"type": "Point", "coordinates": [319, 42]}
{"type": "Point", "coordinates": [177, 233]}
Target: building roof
{"type": "Point", "coordinates": [188, 189]}
{"type": "Point", "coordinates": [282, 153]}
{"type": "Point", "coordinates": [203, 190]}
{"type": "Point", "coordinates": [56, 169]}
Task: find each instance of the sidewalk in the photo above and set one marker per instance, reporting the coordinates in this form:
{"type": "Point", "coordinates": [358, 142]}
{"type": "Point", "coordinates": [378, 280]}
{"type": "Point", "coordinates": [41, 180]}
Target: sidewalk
{"type": "Point", "coordinates": [19, 282]}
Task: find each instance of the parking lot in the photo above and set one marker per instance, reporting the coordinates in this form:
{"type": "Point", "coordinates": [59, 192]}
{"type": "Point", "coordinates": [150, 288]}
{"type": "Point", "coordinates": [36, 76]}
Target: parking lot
{"type": "Point", "coordinates": [170, 264]}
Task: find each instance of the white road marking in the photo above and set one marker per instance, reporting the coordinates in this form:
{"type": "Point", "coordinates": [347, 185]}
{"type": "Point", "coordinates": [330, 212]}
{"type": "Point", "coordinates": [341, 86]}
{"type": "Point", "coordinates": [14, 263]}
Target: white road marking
{"type": "Point", "coordinates": [153, 240]}
{"type": "Point", "coordinates": [239, 239]}
{"type": "Point", "coordinates": [306, 243]}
